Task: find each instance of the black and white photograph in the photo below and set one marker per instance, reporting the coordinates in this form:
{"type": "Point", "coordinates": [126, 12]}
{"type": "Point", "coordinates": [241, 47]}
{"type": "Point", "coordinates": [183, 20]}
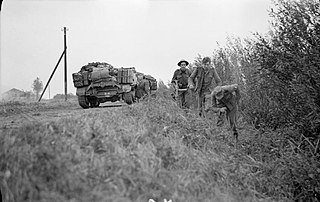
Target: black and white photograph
{"type": "Point", "coordinates": [159, 100]}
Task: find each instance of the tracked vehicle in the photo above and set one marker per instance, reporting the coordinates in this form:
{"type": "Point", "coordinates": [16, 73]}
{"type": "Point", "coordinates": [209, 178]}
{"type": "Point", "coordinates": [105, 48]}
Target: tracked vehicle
{"type": "Point", "coordinates": [100, 82]}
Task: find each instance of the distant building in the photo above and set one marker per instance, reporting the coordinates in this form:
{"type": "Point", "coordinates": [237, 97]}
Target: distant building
{"type": "Point", "coordinates": [15, 94]}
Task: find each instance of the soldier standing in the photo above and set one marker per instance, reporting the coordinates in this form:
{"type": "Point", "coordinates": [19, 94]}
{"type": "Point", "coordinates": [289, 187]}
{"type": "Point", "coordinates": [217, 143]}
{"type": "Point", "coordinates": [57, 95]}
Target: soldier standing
{"type": "Point", "coordinates": [204, 76]}
{"type": "Point", "coordinates": [180, 82]}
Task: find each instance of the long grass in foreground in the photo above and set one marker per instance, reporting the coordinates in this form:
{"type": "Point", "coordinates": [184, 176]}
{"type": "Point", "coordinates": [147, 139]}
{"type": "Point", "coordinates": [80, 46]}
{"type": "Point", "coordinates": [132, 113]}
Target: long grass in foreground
{"type": "Point", "coordinates": [149, 150]}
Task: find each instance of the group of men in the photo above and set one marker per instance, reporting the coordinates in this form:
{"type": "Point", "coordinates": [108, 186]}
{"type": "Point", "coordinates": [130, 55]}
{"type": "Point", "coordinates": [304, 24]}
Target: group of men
{"type": "Point", "coordinates": [205, 82]}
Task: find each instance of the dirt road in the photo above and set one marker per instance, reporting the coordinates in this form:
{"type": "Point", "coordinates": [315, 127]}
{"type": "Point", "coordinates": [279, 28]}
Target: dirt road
{"type": "Point", "coordinates": [16, 114]}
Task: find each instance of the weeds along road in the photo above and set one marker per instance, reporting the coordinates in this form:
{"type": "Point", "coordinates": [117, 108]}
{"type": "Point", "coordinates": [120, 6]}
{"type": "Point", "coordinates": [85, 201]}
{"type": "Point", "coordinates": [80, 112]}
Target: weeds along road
{"type": "Point", "coordinates": [150, 150]}
{"type": "Point", "coordinates": [15, 114]}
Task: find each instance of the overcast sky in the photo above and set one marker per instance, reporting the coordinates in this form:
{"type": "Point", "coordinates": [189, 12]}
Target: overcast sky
{"type": "Point", "coordinates": [151, 35]}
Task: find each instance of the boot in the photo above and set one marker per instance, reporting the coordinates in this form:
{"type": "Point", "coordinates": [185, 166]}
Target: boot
{"type": "Point", "coordinates": [235, 136]}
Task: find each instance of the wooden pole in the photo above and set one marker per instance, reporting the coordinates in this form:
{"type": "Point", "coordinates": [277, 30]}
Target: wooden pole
{"type": "Point", "coordinates": [65, 63]}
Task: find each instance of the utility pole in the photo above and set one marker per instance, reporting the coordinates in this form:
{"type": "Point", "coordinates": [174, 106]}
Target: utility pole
{"type": "Point", "coordinates": [64, 53]}
{"type": "Point", "coordinates": [65, 63]}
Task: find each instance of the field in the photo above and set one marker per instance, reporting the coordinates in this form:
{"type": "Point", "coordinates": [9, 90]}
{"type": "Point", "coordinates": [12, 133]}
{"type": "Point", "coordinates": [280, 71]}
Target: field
{"type": "Point", "coordinates": [56, 151]}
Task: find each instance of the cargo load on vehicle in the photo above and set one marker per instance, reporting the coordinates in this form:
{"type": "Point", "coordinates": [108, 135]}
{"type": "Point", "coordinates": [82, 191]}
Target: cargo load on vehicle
{"type": "Point", "coordinates": [99, 82]}
{"type": "Point", "coordinates": [153, 82]}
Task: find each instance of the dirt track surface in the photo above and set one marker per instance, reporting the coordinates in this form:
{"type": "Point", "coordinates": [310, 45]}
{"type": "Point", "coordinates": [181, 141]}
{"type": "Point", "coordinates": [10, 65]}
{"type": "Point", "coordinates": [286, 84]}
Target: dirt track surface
{"type": "Point", "coordinates": [15, 114]}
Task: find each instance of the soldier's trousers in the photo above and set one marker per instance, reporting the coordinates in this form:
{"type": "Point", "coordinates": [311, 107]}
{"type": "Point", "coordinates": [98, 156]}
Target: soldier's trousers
{"type": "Point", "coordinates": [231, 116]}
{"type": "Point", "coordinates": [203, 100]}
{"type": "Point", "coordinates": [182, 99]}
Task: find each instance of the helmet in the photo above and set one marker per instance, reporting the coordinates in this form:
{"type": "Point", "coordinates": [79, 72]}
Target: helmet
{"type": "Point", "coordinates": [206, 60]}
{"type": "Point", "coordinates": [218, 92]}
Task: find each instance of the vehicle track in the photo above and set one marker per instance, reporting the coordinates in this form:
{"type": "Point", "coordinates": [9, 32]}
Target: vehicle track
{"type": "Point", "coordinates": [51, 113]}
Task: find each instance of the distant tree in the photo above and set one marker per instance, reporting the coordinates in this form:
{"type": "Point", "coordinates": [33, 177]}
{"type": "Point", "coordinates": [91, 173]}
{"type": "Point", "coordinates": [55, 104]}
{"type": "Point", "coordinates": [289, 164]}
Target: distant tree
{"type": "Point", "coordinates": [37, 86]}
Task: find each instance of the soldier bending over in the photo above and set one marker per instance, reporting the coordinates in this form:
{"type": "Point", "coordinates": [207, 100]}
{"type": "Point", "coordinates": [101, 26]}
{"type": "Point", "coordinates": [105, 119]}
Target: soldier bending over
{"type": "Point", "coordinates": [225, 99]}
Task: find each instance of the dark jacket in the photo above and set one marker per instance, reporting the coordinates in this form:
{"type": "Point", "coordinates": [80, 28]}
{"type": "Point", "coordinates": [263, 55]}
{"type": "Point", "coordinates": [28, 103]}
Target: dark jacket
{"type": "Point", "coordinates": [182, 77]}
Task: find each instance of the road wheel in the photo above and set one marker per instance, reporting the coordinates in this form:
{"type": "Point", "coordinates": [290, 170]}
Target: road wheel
{"type": "Point", "coordinates": [83, 102]}
{"type": "Point", "coordinates": [128, 98]}
{"type": "Point", "coordinates": [94, 102]}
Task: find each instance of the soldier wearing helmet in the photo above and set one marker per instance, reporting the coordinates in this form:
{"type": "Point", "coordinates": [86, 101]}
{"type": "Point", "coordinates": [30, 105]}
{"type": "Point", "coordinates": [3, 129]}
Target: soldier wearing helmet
{"type": "Point", "coordinates": [225, 100]}
{"type": "Point", "coordinates": [206, 78]}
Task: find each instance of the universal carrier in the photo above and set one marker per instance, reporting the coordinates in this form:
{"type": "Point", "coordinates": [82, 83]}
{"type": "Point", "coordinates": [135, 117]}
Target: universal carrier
{"type": "Point", "coordinates": [101, 82]}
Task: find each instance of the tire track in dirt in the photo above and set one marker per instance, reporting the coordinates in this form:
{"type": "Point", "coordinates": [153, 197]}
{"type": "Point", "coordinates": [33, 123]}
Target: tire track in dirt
{"type": "Point", "coordinates": [21, 117]}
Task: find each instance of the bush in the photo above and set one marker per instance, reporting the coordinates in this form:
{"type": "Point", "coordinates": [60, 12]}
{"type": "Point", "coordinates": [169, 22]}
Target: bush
{"type": "Point", "coordinates": [62, 96]}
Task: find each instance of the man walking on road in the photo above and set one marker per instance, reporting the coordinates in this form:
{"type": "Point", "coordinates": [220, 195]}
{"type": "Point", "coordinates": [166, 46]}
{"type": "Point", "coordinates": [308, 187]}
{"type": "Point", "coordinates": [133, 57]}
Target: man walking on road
{"type": "Point", "coordinates": [180, 82]}
{"type": "Point", "coordinates": [205, 76]}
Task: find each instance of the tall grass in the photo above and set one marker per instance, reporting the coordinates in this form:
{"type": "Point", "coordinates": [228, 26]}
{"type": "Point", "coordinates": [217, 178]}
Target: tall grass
{"type": "Point", "coordinates": [149, 150]}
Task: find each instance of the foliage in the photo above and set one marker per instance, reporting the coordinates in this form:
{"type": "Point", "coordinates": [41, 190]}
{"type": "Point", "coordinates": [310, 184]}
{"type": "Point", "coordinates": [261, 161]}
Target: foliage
{"type": "Point", "coordinates": [142, 152]}
{"type": "Point", "coordinates": [233, 64]}
{"type": "Point", "coordinates": [197, 62]}
{"type": "Point", "coordinates": [224, 66]}
{"type": "Point", "coordinates": [151, 149]}
{"type": "Point", "coordinates": [288, 68]}
{"type": "Point", "coordinates": [62, 96]}
{"type": "Point", "coordinates": [37, 86]}
{"type": "Point", "coordinates": [279, 76]}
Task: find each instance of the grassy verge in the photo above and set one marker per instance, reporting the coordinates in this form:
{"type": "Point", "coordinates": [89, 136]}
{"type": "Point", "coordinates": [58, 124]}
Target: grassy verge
{"type": "Point", "coordinates": [135, 153]}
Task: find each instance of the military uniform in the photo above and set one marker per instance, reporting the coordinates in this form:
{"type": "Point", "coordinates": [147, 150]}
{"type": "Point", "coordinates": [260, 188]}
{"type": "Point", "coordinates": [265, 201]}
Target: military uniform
{"type": "Point", "coordinates": [143, 89]}
{"type": "Point", "coordinates": [205, 78]}
{"type": "Point", "coordinates": [181, 76]}
{"type": "Point", "coordinates": [225, 99]}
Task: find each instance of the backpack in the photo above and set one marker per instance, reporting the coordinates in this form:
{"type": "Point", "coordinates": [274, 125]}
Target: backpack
{"type": "Point", "coordinates": [152, 81]}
